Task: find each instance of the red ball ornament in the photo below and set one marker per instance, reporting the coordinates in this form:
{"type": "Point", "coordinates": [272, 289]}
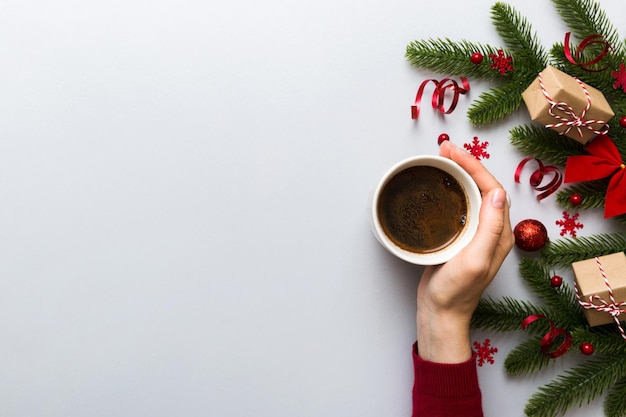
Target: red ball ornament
{"type": "Point", "coordinates": [575, 199]}
{"type": "Point", "coordinates": [530, 235]}
{"type": "Point", "coordinates": [556, 281]}
{"type": "Point", "coordinates": [476, 58]}
{"type": "Point", "coordinates": [442, 138]}
{"type": "Point", "coordinates": [622, 121]}
{"type": "Point", "coordinates": [586, 348]}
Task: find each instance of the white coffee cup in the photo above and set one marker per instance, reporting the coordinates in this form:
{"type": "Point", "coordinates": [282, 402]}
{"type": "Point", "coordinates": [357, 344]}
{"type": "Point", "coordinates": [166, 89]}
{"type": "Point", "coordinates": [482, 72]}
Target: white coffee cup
{"type": "Point", "coordinates": [473, 202]}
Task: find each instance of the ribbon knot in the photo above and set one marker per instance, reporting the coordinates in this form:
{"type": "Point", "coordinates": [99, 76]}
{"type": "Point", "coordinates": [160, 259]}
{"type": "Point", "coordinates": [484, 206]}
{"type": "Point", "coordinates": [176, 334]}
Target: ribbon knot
{"type": "Point", "coordinates": [613, 308]}
{"type": "Point", "coordinates": [600, 304]}
{"type": "Point", "coordinates": [571, 119]}
{"type": "Point", "coordinates": [604, 160]}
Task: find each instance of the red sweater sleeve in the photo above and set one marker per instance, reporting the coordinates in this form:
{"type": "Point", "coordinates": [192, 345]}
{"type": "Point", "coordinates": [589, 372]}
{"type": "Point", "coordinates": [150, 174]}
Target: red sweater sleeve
{"type": "Point", "coordinates": [446, 390]}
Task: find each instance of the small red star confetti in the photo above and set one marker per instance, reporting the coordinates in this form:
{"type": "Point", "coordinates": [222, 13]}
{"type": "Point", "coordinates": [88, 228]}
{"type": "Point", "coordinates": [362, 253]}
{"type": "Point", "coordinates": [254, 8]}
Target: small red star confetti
{"type": "Point", "coordinates": [620, 77]}
{"type": "Point", "coordinates": [569, 224]}
{"type": "Point", "coordinates": [501, 63]}
{"type": "Point", "coordinates": [485, 352]}
{"type": "Point", "coordinates": [477, 149]}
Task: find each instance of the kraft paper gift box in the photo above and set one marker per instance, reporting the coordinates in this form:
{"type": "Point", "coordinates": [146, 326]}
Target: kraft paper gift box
{"type": "Point", "coordinates": [561, 87]}
{"type": "Point", "coordinates": [589, 280]}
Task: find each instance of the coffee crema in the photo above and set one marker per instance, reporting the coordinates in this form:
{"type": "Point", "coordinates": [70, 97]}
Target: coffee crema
{"type": "Point", "coordinates": [422, 209]}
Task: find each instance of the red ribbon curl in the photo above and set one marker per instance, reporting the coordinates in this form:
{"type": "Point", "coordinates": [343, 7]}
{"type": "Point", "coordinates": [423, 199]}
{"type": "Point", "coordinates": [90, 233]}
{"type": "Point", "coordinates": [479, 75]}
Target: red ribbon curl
{"type": "Point", "coordinates": [604, 161]}
{"type": "Point", "coordinates": [613, 308]}
{"type": "Point", "coordinates": [438, 97]}
{"type": "Point", "coordinates": [548, 340]}
{"type": "Point", "coordinates": [536, 178]}
{"type": "Point", "coordinates": [589, 40]}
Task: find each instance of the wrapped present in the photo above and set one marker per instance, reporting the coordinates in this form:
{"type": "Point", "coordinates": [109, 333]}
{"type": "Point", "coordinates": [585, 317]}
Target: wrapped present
{"type": "Point", "coordinates": [601, 288]}
{"type": "Point", "coordinates": [567, 105]}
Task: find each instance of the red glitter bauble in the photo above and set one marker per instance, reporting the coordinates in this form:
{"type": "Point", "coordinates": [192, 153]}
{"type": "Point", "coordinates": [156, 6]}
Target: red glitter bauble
{"type": "Point", "coordinates": [622, 121]}
{"type": "Point", "coordinates": [586, 348]}
{"type": "Point", "coordinates": [575, 199]}
{"type": "Point", "coordinates": [442, 138]}
{"type": "Point", "coordinates": [530, 235]}
{"type": "Point", "coordinates": [476, 58]}
{"type": "Point", "coordinates": [556, 281]}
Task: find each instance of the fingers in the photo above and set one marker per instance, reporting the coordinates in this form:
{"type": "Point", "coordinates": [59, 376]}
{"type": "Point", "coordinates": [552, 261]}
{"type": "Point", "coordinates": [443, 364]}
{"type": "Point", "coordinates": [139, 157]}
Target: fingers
{"type": "Point", "coordinates": [477, 171]}
{"type": "Point", "coordinates": [494, 237]}
{"type": "Point", "coordinates": [490, 245]}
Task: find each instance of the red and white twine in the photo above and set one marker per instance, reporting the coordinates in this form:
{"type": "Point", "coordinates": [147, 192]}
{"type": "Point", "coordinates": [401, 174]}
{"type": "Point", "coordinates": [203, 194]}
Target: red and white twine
{"type": "Point", "coordinates": [571, 119]}
{"type": "Point", "coordinates": [613, 308]}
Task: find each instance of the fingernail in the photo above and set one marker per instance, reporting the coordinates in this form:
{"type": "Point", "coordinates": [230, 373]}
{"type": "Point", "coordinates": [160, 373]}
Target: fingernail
{"type": "Point", "coordinates": [498, 198]}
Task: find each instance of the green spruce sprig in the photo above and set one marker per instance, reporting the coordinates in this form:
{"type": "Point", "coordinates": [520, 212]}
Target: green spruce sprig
{"type": "Point", "coordinates": [444, 56]}
{"type": "Point", "coordinates": [453, 58]}
{"type": "Point", "coordinates": [522, 41]}
{"type": "Point", "coordinates": [615, 402]}
{"type": "Point", "coordinates": [506, 314]}
{"type": "Point", "coordinates": [562, 304]}
{"type": "Point", "coordinates": [585, 18]}
{"type": "Point", "coordinates": [576, 386]}
{"type": "Point", "coordinates": [544, 144]}
{"type": "Point", "coordinates": [565, 251]}
{"type": "Point", "coordinates": [526, 357]}
{"type": "Point", "coordinates": [594, 192]}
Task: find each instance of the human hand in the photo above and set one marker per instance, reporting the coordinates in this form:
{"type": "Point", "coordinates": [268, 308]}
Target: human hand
{"type": "Point", "coordinates": [449, 293]}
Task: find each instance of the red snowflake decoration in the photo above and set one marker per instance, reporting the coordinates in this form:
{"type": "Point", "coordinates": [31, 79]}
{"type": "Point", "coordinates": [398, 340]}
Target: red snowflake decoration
{"type": "Point", "coordinates": [477, 149]}
{"type": "Point", "coordinates": [501, 63]}
{"type": "Point", "coordinates": [620, 77]}
{"type": "Point", "coordinates": [485, 352]}
{"type": "Point", "coordinates": [569, 224]}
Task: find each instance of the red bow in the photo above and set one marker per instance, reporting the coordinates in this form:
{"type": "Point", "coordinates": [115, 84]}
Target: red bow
{"type": "Point", "coordinates": [604, 161]}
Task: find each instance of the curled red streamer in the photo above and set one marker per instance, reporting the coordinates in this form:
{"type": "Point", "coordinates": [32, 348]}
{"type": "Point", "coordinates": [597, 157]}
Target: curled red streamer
{"type": "Point", "coordinates": [438, 97]}
{"type": "Point", "coordinates": [549, 339]}
{"type": "Point", "coordinates": [589, 40]}
{"type": "Point", "coordinates": [604, 160]}
{"type": "Point", "coordinates": [613, 308]}
{"type": "Point", "coordinates": [536, 178]}
{"type": "Point", "coordinates": [570, 118]}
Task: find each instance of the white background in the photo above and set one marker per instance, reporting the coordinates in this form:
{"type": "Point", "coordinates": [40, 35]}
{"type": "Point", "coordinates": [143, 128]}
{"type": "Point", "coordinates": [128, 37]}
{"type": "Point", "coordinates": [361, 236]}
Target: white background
{"type": "Point", "coordinates": [183, 205]}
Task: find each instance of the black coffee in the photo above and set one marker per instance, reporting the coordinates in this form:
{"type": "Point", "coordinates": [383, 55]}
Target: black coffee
{"type": "Point", "coordinates": [422, 209]}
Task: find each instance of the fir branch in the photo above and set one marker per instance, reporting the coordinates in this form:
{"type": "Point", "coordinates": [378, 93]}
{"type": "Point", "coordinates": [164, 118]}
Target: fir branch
{"type": "Point", "coordinates": [606, 339]}
{"type": "Point", "coordinates": [601, 80]}
{"type": "Point", "coordinates": [443, 56]}
{"type": "Point", "coordinates": [504, 315]}
{"type": "Point", "coordinates": [496, 103]}
{"type": "Point", "coordinates": [564, 308]}
{"type": "Point", "coordinates": [615, 401]}
{"type": "Point", "coordinates": [517, 34]}
{"type": "Point", "coordinates": [544, 144]}
{"type": "Point", "coordinates": [586, 18]}
{"type": "Point", "coordinates": [567, 250]}
{"type": "Point", "coordinates": [592, 192]}
{"type": "Point", "coordinates": [526, 358]}
{"type": "Point", "coordinates": [575, 386]}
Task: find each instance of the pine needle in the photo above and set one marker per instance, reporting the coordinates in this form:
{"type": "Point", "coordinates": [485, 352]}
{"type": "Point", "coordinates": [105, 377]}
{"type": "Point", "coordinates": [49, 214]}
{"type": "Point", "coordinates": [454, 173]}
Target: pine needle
{"type": "Point", "coordinates": [544, 144]}
{"type": "Point", "coordinates": [518, 35]}
{"type": "Point", "coordinates": [526, 358]}
{"type": "Point", "coordinates": [615, 402]}
{"type": "Point", "coordinates": [567, 250]}
{"type": "Point", "coordinates": [576, 386]}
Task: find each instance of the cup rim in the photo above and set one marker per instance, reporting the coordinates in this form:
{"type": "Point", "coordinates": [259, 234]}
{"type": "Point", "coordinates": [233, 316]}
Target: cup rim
{"type": "Point", "coordinates": [474, 202]}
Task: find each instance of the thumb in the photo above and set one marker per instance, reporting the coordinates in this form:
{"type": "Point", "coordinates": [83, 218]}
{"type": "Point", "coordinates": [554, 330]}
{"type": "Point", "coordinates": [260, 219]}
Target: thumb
{"type": "Point", "coordinates": [491, 223]}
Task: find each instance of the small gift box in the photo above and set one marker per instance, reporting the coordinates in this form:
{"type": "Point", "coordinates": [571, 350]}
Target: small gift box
{"type": "Point", "coordinates": [601, 283]}
{"type": "Point", "coordinates": [567, 105]}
